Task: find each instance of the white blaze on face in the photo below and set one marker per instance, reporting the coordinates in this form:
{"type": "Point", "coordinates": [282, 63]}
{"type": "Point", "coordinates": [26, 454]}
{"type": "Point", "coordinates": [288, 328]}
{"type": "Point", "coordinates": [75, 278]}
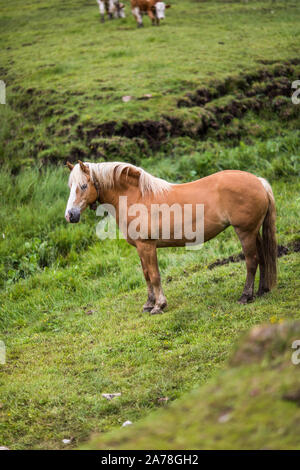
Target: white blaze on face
{"type": "Point", "coordinates": [160, 10]}
{"type": "Point", "coordinates": [71, 200]}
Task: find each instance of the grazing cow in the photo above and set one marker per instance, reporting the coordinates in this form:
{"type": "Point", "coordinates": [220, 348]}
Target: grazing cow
{"type": "Point", "coordinates": [113, 8]}
{"type": "Point", "coordinates": [153, 8]}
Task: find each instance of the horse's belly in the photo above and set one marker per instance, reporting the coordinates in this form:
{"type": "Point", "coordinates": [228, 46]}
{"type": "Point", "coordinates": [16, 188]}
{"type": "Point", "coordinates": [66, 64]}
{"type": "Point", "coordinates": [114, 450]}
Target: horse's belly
{"type": "Point", "coordinates": [170, 228]}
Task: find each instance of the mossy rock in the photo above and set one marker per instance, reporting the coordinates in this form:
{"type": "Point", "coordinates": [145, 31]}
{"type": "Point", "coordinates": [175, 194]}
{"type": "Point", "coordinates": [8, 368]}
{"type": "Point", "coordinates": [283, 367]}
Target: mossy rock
{"type": "Point", "coordinates": [254, 404]}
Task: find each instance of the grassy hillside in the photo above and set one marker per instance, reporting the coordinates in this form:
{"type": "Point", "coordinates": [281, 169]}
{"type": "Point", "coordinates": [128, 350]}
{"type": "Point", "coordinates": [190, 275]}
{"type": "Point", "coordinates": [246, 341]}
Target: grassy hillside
{"type": "Point", "coordinates": [66, 74]}
{"type": "Point", "coordinates": [63, 48]}
{"type": "Point", "coordinates": [254, 404]}
{"type": "Point", "coordinates": [70, 305]}
{"type": "Point", "coordinates": [75, 332]}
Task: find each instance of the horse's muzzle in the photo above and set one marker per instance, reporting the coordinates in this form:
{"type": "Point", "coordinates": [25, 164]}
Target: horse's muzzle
{"type": "Point", "coordinates": [74, 215]}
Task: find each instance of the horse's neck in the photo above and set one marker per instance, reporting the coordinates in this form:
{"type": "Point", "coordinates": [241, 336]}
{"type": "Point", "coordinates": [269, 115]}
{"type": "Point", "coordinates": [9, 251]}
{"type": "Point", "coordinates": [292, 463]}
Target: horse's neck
{"type": "Point", "coordinates": [113, 195]}
{"type": "Point", "coordinates": [127, 185]}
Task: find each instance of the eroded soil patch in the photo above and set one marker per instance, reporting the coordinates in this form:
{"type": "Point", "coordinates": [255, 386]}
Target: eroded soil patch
{"type": "Point", "coordinates": [282, 250]}
{"type": "Point", "coordinates": [212, 110]}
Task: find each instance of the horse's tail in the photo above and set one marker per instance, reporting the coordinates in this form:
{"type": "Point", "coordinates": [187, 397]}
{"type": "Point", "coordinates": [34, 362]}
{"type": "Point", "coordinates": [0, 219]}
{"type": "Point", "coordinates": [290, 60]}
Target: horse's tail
{"type": "Point", "coordinates": [269, 243]}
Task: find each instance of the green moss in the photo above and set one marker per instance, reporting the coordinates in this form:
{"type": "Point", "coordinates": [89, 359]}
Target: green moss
{"type": "Point", "coordinates": [246, 407]}
{"type": "Point", "coordinates": [119, 148]}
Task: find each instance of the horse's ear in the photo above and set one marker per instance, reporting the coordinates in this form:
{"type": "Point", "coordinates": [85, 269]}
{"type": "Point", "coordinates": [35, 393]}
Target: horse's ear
{"type": "Point", "coordinates": [84, 167]}
{"type": "Point", "coordinates": [168, 6]}
{"type": "Point", "coordinates": [70, 166]}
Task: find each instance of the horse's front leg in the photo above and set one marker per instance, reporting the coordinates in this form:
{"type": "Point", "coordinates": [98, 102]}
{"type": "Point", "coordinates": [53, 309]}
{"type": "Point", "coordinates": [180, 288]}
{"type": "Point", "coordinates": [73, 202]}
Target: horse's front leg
{"type": "Point", "coordinates": [148, 255]}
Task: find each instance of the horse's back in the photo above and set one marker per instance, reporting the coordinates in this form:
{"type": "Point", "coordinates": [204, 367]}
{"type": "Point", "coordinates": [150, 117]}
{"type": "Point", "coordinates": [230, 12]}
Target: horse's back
{"type": "Point", "coordinates": [231, 178]}
{"type": "Point", "coordinates": [226, 183]}
{"type": "Point", "coordinates": [230, 197]}
{"type": "Point", "coordinates": [242, 196]}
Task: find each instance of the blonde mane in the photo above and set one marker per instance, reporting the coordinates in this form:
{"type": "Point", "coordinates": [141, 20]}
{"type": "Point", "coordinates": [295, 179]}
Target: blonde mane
{"type": "Point", "coordinates": [108, 173]}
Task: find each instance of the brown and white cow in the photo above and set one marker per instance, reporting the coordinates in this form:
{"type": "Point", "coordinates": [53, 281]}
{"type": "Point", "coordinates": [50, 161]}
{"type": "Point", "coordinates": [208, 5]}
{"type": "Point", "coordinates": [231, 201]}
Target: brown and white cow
{"type": "Point", "coordinates": [153, 8]}
{"type": "Point", "coordinates": [113, 8]}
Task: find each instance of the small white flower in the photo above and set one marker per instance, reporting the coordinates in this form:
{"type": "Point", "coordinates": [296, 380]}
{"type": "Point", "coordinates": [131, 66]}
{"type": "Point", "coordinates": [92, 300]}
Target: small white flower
{"type": "Point", "coordinates": [224, 418]}
{"type": "Point", "coordinates": [110, 396]}
{"type": "Point", "coordinates": [127, 423]}
{"type": "Point", "coordinates": [126, 98]}
{"type": "Point", "coordinates": [66, 441]}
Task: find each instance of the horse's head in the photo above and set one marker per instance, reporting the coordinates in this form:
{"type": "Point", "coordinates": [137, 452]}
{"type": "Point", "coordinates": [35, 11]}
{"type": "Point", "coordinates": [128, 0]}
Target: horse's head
{"type": "Point", "coordinates": [83, 191]}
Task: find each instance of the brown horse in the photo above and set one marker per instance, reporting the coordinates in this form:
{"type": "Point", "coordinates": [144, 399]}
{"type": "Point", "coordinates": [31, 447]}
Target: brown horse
{"type": "Point", "coordinates": [229, 197]}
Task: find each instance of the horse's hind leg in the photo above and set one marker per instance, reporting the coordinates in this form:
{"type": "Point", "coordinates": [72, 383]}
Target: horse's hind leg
{"type": "Point", "coordinates": [248, 241]}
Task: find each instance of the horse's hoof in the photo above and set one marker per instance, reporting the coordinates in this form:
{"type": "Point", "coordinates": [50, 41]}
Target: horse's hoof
{"type": "Point", "coordinates": [245, 299]}
{"type": "Point", "coordinates": [147, 309]}
{"type": "Point", "coordinates": [140, 25]}
{"type": "Point", "coordinates": [261, 292]}
{"type": "Point", "coordinates": [156, 311]}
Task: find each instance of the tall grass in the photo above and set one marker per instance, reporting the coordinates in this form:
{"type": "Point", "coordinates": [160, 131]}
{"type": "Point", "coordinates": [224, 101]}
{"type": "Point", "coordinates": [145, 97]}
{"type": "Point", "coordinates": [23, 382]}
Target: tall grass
{"type": "Point", "coordinates": [33, 231]}
{"type": "Point", "coordinates": [34, 234]}
{"type": "Point", "coordinates": [273, 158]}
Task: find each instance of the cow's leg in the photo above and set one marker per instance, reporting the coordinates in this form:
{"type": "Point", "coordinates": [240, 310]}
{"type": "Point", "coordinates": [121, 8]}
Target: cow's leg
{"type": "Point", "coordinates": [116, 9]}
{"type": "Point", "coordinates": [102, 10]}
{"type": "Point", "coordinates": [248, 241]}
{"type": "Point", "coordinates": [137, 14]}
{"type": "Point", "coordinates": [119, 10]}
{"type": "Point", "coordinates": [148, 255]}
{"type": "Point", "coordinates": [122, 13]}
{"type": "Point", "coordinates": [111, 9]}
{"type": "Point", "coordinates": [151, 16]}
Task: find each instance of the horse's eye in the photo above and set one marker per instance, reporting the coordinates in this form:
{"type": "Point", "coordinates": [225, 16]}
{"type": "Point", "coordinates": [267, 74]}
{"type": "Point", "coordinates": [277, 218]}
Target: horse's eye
{"type": "Point", "coordinates": [83, 187]}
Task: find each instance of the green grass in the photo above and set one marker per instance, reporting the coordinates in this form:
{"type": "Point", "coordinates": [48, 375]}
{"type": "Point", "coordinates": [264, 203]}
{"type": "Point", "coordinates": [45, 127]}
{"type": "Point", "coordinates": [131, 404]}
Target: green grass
{"type": "Point", "coordinates": [64, 47]}
{"type": "Point", "coordinates": [233, 411]}
{"type": "Point", "coordinates": [60, 360]}
{"type": "Point", "coordinates": [34, 235]}
{"type": "Point", "coordinates": [66, 73]}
